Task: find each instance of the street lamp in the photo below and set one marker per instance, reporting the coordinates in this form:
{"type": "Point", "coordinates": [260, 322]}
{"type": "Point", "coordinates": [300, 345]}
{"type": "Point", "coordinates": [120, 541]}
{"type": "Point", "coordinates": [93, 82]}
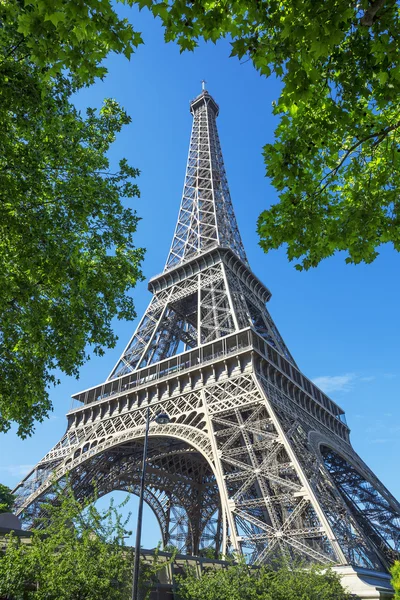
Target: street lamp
{"type": "Point", "coordinates": [162, 419]}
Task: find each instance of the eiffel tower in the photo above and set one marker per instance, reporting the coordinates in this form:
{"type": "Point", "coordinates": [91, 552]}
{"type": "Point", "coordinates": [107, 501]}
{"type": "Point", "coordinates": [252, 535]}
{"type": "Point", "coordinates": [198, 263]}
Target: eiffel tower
{"type": "Point", "coordinates": [256, 459]}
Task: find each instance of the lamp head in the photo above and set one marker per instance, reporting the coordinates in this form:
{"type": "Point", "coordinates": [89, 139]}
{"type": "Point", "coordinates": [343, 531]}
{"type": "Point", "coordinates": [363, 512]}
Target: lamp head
{"type": "Point", "coordinates": [162, 418]}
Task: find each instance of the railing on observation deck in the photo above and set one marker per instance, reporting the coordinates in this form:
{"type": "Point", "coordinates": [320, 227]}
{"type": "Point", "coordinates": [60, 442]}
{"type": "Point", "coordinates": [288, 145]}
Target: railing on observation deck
{"type": "Point", "coordinates": [191, 359]}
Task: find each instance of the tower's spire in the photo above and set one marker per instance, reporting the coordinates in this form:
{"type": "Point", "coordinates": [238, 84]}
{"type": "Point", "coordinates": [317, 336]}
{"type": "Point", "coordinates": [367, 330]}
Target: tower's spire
{"type": "Point", "coordinates": [206, 218]}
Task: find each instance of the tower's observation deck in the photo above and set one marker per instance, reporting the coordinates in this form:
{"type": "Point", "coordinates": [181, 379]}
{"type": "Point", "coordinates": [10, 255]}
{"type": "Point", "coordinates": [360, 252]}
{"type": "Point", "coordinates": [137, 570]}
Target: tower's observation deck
{"type": "Point", "coordinates": [204, 99]}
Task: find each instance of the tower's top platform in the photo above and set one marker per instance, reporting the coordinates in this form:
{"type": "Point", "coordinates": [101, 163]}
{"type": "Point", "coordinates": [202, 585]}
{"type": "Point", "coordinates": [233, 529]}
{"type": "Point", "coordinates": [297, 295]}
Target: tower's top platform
{"type": "Point", "coordinates": [204, 99]}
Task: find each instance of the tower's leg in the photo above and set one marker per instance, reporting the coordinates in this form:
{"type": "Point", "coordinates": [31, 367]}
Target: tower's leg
{"type": "Point", "coordinates": [281, 498]}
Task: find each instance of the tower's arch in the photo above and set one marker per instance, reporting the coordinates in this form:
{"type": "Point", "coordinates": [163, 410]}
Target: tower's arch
{"type": "Point", "coordinates": [181, 483]}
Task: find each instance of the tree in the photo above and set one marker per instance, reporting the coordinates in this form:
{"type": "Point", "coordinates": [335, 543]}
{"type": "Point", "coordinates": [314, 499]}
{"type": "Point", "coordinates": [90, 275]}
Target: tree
{"type": "Point", "coordinates": [336, 157]}
{"type": "Point", "coordinates": [66, 236]}
{"type": "Point", "coordinates": [395, 572]}
{"type": "Point", "coordinates": [239, 582]}
{"type": "Point", "coordinates": [79, 553]}
{"type": "Point", "coordinates": [6, 499]}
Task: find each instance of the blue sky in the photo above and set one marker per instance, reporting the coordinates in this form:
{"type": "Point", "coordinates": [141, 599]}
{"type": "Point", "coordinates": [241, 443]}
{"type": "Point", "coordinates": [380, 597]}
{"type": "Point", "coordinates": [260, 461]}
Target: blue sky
{"type": "Point", "coordinates": [340, 322]}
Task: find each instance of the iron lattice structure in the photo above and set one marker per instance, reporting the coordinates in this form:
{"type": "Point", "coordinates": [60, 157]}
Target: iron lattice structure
{"type": "Point", "coordinates": [256, 458]}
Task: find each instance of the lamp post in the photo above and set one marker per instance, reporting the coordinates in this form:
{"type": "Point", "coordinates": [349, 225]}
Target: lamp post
{"type": "Point", "coordinates": [162, 419]}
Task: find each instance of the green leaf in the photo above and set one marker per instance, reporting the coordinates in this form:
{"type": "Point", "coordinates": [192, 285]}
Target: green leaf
{"type": "Point", "coordinates": [383, 76]}
{"type": "Point", "coordinates": [56, 18]}
{"type": "Point", "coordinates": [160, 10]}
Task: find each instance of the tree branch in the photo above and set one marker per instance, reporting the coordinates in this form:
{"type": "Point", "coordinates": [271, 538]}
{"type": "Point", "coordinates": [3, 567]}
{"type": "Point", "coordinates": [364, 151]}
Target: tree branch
{"type": "Point", "coordinates": [12, 50]}
{"type": "Point", "coordinates": [381, 135]}
{"type": "Point", "coordinates": [368, 18]}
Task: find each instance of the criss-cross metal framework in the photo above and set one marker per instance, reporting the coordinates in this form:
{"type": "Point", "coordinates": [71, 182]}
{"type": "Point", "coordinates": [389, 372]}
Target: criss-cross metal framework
{"type": "Point", "coordinates": [256, 459]}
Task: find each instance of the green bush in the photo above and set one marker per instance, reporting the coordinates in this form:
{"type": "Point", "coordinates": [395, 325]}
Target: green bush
{"type": "Point", "coordinates": [239, 582]}
{"type": "Point", "coordinates": [78, 552]}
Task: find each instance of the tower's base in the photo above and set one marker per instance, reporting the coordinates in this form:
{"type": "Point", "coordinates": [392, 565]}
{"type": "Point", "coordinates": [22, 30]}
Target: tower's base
{"type": "Point", "coordinates": [366, 584]}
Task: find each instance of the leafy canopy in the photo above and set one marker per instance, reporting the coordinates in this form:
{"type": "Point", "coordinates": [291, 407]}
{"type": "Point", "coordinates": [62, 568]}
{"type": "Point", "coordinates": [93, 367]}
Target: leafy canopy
{"type": "Point", "coordinates": [72, 37]}
{"type": "Point", "coordinates": [238, 582]}
{"type": "Point", "coordinates": [67, 247]}
{"type": "Point", "coordinates": [336, 157]}
{"type": "Point", "coordinates": [6, 499]}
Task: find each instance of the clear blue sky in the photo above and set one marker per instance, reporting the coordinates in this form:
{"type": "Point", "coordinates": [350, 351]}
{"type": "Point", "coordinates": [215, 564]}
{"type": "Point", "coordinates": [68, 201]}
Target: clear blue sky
{"type": "Point", "coordinates": [340, 322]}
